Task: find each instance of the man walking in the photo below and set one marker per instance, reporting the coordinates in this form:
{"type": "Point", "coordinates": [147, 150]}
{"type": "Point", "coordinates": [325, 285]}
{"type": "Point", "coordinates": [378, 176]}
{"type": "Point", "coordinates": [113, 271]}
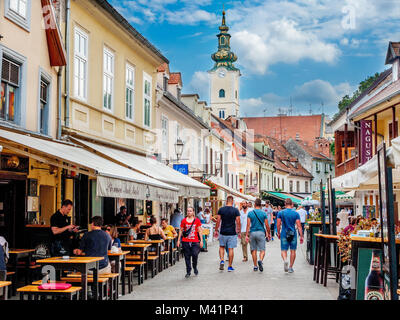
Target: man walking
{"type": "Point", "coordinates": [243, 223]}
{"type": "Point", "coordinates": [256, 221]}
{"type": "Point", "coordinates": [176, 219]}
{"type": "Point", "coordinates": [229, 219]}
{"type": "Point", "coordinates": [302, 214]}
{"type": "Point", "coordinates": [288, 219]}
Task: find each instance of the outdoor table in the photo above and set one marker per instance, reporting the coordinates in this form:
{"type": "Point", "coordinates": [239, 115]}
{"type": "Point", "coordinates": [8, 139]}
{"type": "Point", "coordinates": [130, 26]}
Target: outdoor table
{"type": "Point", "coordinates": [18, 254]}
{"type": "Point", "coordinates": [143, 249]}
{"type": "Point", "coordinates": [80, 264]}
{"type": "Point", "coordinates": [4, 284]}
{"type": "Point", "coordinates": [156, 243]}
{"type": "Point", "coordinates": [314, 227]}
{"type": "Point", "coordinates": [119, 257]}
{"type": "Point", "coordinates": [361, 252]}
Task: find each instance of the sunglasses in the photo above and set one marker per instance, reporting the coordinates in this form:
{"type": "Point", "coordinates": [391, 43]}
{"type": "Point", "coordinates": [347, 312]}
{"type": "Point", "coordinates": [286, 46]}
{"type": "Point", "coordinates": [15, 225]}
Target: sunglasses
{"type": "Point", "coordinates": [108, 229]}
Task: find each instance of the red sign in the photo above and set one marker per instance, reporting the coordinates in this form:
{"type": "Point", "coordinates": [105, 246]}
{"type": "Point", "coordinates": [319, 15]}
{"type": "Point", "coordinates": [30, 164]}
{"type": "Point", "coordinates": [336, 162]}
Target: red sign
{"type": "Point", "coordinates": [366, 141]}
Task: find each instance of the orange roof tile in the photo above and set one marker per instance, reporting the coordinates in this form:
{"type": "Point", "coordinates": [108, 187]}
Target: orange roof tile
{"type": "Point", "coordinates": [175, 78]}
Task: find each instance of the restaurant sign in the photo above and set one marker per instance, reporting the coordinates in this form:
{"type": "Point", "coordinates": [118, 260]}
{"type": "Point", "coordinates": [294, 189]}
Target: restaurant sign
{"type": "Point", "coordinates": [366, 141]}
{"type": "Point", "coordinates": [116, 188]}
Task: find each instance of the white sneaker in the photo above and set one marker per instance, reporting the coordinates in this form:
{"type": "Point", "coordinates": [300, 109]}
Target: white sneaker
{"type": "Point", "coordinates": [286, 266]}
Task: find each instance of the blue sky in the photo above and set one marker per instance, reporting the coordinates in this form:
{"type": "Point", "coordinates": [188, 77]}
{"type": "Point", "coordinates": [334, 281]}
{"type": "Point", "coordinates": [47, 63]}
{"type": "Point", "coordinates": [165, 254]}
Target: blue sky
{"type": "Point", "coordinates": [314, 51]}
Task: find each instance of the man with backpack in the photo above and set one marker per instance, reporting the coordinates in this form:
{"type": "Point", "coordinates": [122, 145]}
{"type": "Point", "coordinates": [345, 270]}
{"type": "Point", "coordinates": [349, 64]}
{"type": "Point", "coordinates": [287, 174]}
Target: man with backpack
{"type": "Point", "coordinates": [257, 224]}
{"type": "Point", "coordinates": [288, 219]}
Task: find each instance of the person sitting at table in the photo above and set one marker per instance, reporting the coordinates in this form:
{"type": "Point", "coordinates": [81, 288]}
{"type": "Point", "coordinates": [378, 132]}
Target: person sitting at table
{"type": "Point", "coordinates": [96, 243]}
{"type": "Point", "coordinates": [134, 230]}
{"type": "Point", "coordinates": [169, 230]}
{"type": "Point", "coordinates": [113, 232]}
{"type": "Point", "coordinates": [154, 232]}
{"type": "Point", "coordinates": [3, 257]}
{"type": "Point", "coordinates": [122, 218]}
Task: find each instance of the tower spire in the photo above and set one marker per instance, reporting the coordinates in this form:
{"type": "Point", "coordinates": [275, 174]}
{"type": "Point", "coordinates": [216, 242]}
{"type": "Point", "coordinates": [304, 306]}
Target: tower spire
{"type": "Point", "coordinates": [224, 57]}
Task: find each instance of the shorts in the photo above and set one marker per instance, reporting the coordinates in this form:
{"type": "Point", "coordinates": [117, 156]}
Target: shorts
{"type": "Point", "coordinates": [285, 245]}
{"type": "Point", "coordinates": [227, 241]}
{"type": "Point", "coordinates": [257, 241]}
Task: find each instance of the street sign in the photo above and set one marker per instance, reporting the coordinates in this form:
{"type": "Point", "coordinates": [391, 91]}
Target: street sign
{"type": "Point", "coordinates": [182, 168]}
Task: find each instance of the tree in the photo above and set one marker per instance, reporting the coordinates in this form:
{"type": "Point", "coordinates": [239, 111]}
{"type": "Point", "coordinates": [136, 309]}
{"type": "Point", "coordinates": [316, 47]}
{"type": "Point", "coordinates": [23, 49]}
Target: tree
{"type": "Point", "coordinates": [364, 85]}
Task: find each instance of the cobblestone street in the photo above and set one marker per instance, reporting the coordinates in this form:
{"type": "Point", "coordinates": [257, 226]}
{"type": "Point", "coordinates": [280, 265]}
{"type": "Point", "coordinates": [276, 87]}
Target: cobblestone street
{"type": "Point", "coordinates": [242, 284]}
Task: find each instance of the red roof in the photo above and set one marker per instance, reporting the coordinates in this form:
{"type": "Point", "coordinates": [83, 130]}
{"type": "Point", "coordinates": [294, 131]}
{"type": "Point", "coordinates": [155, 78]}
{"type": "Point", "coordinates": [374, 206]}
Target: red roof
{"type": "Point", "coordinates": [164, 67]}
{"type": "Point", "coordinates": [312, 150]}
{"type": "Point", "coordinates": [283, 159]}
{"type": "Point", "coordinates": [175, 78]}
{"type": "Point", "coordinates": [306, 128]}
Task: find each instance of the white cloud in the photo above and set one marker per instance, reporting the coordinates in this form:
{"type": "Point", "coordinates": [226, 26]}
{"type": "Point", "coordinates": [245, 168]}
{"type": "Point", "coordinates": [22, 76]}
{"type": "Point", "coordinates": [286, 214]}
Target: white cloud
{"type": "Point", "coordinates": [189, 16]}
{"type": "Point", "coordinates": [284, 42]}
{"type": "Point", "coordinates": [199, 84]}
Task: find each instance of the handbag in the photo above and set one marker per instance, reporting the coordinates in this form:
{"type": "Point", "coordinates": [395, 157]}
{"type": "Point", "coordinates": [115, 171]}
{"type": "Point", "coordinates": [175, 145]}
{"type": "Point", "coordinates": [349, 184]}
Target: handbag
{"type": "Point", "coordinates": [265, 231]}
{"type": "Point", "coordinates": [186, 233]}
{"type": "Point", "coordinates": [289, 233]}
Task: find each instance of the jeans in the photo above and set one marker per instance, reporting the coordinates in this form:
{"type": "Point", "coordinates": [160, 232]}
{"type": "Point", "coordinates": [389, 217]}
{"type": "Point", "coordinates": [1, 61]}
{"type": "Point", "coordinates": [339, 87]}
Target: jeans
{"type": "Point", "coordinates": [272, 229]}
{"type": "Point", "coordinates": [191, 252]}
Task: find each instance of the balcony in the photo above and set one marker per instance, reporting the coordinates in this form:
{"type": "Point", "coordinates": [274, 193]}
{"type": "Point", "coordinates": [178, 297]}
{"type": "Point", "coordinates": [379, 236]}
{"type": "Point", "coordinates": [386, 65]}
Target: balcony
{"type": "Point", "coordinates": [345, 167]}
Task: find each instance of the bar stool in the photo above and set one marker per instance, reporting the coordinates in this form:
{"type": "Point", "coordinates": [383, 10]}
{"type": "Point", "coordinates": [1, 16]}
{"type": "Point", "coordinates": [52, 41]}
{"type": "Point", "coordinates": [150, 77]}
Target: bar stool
{"type": "Point", "coordinates": [326, 267]}
{"type": "Point", "coordinates": [318, 257]}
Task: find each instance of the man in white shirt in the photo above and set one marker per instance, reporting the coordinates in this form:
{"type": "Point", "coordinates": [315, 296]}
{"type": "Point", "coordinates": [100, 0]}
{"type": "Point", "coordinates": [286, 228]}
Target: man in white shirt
{"type": "Point", "coordinates": [243, 223]}
{"type": "Point", "coordinates": [303, 215]}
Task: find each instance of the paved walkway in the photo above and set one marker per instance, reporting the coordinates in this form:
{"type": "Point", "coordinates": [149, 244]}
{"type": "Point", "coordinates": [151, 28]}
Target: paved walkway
{"type": "Point", "coordinates": [243, 283]}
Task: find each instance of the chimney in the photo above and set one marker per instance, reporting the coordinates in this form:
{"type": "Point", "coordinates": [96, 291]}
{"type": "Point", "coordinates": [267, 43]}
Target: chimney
{"type": "Point", "coordinates": [395, 70]}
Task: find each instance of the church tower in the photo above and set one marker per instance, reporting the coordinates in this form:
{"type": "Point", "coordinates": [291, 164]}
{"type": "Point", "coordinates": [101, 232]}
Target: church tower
{"type": "Point", "coordinates": [224, 77]}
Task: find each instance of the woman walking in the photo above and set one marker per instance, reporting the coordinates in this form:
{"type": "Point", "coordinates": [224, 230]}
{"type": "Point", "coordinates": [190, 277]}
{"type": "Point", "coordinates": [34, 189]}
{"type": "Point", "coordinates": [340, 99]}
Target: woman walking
{"type": "Point", "coordinates": [191, 235]}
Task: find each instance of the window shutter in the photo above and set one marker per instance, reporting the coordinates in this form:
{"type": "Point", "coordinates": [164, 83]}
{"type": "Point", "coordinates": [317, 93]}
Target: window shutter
{"type": "Point", "coordinates": [10, 72]}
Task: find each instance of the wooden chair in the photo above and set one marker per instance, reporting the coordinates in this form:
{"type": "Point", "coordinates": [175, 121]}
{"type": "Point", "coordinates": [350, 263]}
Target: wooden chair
{"type": "Point", "coordinates": [4, 287]}
{"type": "Point", "coordinates": [113, 279]}
{"type": "Point", "coordinates": [33, 291]}
{"type": "Point", "coordinates": [12, 277]}
{"type": "Point", "coordinates": [129, 274]}
{"type": "Point", "coordinates": [104, 293]}
{"type": "Point", "coordinates": [139, 267]}
{"type": "Point", "coordinates": [153, 264]}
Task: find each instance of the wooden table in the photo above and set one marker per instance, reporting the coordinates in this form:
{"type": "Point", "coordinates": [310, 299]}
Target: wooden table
{"type": "Point", "coordinates": [143, 252]}
{"type": "Point", "coordinates": [18, 254]}
{"type": "Point", "coordinates": [34, 290]}
{"type": "Point", "coordinates": [119, 257]}
{"type": "Point", "coordinates": [156, 243]}
{"type": "Point", "coordinates": [82, 265]}
{"type": "Point", "coordinates": [4, 284]}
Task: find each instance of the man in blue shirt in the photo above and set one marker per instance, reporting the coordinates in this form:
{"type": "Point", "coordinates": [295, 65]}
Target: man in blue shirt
{"type": "Point", "coordinates": [176, 219]}
{"type": "Point", "coordinates": [257, 223]}
{"type": "Point", "coordinates": [288, 219]}
{"type": "Point", "coordinates": [96, 243]}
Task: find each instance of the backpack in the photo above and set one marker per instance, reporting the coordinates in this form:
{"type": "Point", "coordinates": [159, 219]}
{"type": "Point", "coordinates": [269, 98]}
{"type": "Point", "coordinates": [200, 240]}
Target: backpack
{"type": "Point", "coordinates": [4, 244]}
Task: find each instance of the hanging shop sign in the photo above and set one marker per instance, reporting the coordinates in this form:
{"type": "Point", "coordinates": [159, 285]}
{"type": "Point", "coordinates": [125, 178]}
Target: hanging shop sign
{"type": "Point", "coordinates": [386, 207]}
{"type": "Point", "coordinates": [14, 164]}
{"type": "Point", "coordinates": [366, 141]}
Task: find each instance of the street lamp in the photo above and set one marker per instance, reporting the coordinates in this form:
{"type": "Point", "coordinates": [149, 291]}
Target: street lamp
{"type": "Point", "coordinates": [179, 148]}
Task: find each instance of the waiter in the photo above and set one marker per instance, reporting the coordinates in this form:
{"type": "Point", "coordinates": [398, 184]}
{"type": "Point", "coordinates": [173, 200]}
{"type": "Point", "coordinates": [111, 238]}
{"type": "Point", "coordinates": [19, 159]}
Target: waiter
{"type": "Point", "coordinates": [62, 230]}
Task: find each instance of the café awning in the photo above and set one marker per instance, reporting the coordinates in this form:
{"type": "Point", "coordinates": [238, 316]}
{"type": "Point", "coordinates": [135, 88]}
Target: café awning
{"type": "Point", "coordinates": [366, 176]}
{"type": "Point", "coordinates": [283, 196]}
{"type": "Point", "coordinates": [188, 187]}
{"type": "Point", "coordinates": [231, 191]}
{"type": "Point", "coordinates": [113, 180]}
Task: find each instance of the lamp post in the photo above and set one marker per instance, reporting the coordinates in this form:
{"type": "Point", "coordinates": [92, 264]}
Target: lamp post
{"type": "Point", "coordinates": [179, 148]}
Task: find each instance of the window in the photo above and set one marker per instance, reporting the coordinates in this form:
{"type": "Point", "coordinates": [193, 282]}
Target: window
{"type": "Point", "coordinates": [290, 186]}
{"type": "Point", "coordinates": [18, 11]}
{"type": "Point", "coordinates": [236, 95]}
{"type": "Point", "coordinates": [108, 79]}
{"type": "Point", "coordinates": [44, 106]}
{"type": "Point", "coordinates": [80, 64]}
{"type": "Point", "coordinates": [165, 140]}
{"type": "Point", "coordinates": [147, 100]}
{"type": "Point", "coordinates": [130, 92]}
{"type": "Point", "coordinates": [222, 113]}
{"type": "Point", "coordinates": [165, 83]}
{"type": "Point", "coordinates": [222, 93]}
{"type": "Point", "coordinates": [9, 92]}
{"type": "Point", "coordinates": [306, 186]}
{"type": "Point", "coordinates": [298, 186]}
{"type": "Point", "coordinates": [317, 166]}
